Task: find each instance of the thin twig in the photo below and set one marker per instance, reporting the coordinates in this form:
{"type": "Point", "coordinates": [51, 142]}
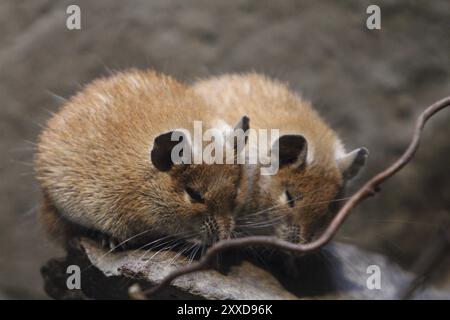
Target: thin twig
{"type": "Point", "coordinates": [367, 190]}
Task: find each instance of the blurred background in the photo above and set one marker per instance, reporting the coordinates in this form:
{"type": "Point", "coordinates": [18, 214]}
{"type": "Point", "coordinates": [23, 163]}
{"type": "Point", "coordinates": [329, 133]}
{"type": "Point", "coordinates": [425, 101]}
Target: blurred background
{"type": "Point", "coordinates": [368, 84]}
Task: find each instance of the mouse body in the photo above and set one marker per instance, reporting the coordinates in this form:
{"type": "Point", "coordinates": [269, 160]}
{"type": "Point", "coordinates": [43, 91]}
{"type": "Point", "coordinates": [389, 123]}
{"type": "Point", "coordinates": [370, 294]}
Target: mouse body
{"type": "Point", "coordinates": [104, 164]}
{"type": "Point", "coordinates": [299, 200]}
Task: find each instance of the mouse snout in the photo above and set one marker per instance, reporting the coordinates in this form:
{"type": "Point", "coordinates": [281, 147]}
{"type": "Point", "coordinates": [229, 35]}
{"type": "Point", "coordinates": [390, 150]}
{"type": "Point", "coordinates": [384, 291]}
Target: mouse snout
{"type": "Point", "coordinates": [218, 228]}
{"type": "Point", "coordinates": [291, 233]}
{"type": "Point", "coordinates": [226, 226]}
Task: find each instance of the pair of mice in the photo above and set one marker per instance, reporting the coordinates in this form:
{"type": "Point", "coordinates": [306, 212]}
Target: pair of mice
{"type": "Point", "coordinates": [104, 162]}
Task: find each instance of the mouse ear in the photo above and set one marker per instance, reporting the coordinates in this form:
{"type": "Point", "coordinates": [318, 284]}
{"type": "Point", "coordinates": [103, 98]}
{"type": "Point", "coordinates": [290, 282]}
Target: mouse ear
{"type": "Point", "coordinates": [173, 147]}
{"type": "Point", "coordinates": [240, 130]}
{"type": "Point", "coordinates": [243, 124]}
{"type": "Point", "coordinates": [292, 150]}
{"type": "Point", "coordinates": [351, 163]}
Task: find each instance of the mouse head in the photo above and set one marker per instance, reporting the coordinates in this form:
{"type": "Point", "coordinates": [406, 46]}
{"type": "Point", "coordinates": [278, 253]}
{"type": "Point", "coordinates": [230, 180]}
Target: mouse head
{"type": "Point", "coordinates": [303, 196]}
{"type": "Point", "coordinates": [201, 197]}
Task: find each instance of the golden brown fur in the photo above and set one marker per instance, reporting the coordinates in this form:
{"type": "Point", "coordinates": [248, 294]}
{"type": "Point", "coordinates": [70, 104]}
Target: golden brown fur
{"type": "Point", "coordinates": [93, 163]}
{"type": "Point", "coordinates": [270, 104]}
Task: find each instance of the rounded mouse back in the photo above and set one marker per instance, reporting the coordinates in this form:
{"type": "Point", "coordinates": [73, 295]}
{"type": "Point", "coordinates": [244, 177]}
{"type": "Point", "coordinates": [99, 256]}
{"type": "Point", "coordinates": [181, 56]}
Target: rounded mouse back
{"type": "Point", "coordinates": [104, 164]}
{"type": "Point", "coordinates": [298, 200]}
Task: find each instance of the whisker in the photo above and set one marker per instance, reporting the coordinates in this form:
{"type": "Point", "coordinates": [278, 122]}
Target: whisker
{"type": "Point", "coordinates": [303, 206]}
{"type": "Point", "coordinates": [149, 259]}
{"type": "Point", "coordinates": [177, 239]}
{"type": "Point", "coordinates": [166, 248]}
{"type": "Point", "coordinates": [264, 224]}
{"type": "Point", "coordinates": [324, 202]}
{"type": "Point", "coordinates": [125, 241]}
{"type": "Point", "coordinates": [145, 245]}
{"type": "Point", "coordinates": [279, 205]}
{"type": "Point", "coordinates": [186, 248]}
{"type": "Point", "coordinates": [265, 210]}
{"type": "Point", "coordinates": [194, 253]}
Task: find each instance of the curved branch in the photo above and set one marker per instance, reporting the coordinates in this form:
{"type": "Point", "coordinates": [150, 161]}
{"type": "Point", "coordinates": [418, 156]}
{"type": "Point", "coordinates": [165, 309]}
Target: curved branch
{"type": "Point", "coordinates": [367, 190]}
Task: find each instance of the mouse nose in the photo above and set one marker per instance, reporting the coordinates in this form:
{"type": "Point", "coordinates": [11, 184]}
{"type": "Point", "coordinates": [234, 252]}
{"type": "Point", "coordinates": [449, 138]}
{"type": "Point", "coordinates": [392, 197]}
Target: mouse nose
{"type": "Point", "coordinates": [225, 224]}
{"type": "Point", "coordinates": [293, 234]}
{"type": "Point", "coordinates": [219, 227]}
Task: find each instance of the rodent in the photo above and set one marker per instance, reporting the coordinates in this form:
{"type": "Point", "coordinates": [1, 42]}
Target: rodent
{"type": "Point", "coordinates": [301, 198]}
{"type": "Point", "coordinates": [103, 164]}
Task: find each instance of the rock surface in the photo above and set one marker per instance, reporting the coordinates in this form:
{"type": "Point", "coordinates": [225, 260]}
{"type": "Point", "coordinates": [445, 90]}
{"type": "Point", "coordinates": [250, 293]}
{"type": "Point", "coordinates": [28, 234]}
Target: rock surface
{"type": "Point", "coordinates": [109, 275]}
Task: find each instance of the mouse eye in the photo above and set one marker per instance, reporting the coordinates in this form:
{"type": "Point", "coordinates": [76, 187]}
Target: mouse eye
{"type": "Point", "coordinates": [194, 195]}
{"type": "Point", "coordinates": [290, 199]}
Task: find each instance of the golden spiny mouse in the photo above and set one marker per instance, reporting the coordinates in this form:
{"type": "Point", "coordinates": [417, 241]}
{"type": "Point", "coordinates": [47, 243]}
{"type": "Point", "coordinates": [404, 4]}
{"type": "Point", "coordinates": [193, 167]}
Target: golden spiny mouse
{"type": "Point", "coordinates": [300, 199]}
{"type": "Point", "coordinates": [104, 165]}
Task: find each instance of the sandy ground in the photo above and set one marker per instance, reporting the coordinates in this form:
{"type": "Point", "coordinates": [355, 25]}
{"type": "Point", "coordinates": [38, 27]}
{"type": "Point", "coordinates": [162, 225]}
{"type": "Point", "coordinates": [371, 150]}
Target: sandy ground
{"type": "Point", "coordinates": [369, 85]}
